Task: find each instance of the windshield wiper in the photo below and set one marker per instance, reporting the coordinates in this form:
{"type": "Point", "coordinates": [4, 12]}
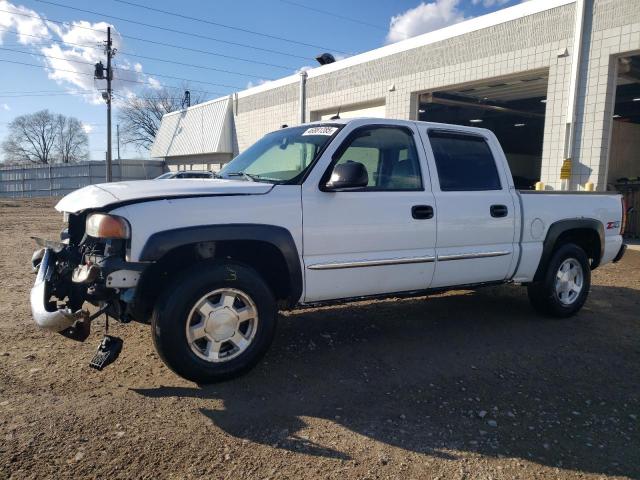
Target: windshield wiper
{"type": "Point", "coordinates": [253, 177]}
{"type": "Point", "coordinates": [247, 176]}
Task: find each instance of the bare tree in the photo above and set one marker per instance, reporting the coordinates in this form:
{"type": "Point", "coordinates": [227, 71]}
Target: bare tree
{"type": "Point", "coordinates": [31, 138]}
{"type": "Point", "coordinates": [140, 115]}
{"type": "Point", "coordinates": [44, 138]}
{"type": "Point", "coordinates": [73, 142]}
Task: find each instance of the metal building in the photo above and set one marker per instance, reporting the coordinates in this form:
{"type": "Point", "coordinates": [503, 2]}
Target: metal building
{"type": "Point", "coordinates": [558, 81]}
{"type": "Point", "coordinates": [199, 135]}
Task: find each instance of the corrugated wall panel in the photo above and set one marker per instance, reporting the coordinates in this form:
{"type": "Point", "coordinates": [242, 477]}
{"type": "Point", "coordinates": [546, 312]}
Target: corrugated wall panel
{"type": "Point", "coordinates": [216, 127]}
{"type": "Point", "coordinates": [198, 130]}
{"type": "Point", "coordinates": [165, 135]}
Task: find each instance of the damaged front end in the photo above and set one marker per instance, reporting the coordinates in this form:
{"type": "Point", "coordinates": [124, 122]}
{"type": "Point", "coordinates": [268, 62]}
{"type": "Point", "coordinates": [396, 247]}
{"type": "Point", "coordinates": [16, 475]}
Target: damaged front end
{"type": "Point", "coordinates": [48, 314]}
{"type": "Point", "coordinates": [87, 266]}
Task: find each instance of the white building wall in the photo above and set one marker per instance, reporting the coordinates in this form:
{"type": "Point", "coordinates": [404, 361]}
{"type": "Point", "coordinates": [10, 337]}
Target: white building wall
{"type": "Point", "coordinates": [530, 43]}
{"type": "Point", "coordinates": [613, 32]}
{"type": "Point", "coordinates": [534, 40]}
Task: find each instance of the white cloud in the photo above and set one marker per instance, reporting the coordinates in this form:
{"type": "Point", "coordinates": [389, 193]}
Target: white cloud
{"type": "Point", "coordinates": [261, 81]}
{"type": "Point", "coordinates": [71, 64]}
{"type": "Point", "coordinates": [490, 3]}
{"type": "Point", "coordinates": [426, 17]}
{"type": "Point", "coordinates": [66, 67]}
{"type": "Point", "coordinates": [153, 83]}
{"type": "Point", "coordinates": [5, 107]}
{"type": "Point", "coordinates": [26, 25]}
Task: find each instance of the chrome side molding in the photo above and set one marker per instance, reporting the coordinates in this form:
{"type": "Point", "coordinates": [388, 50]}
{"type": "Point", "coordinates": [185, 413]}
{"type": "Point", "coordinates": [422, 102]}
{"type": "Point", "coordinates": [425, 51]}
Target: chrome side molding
{"type": "Point", "coordinates": [404, 261]}
{"type": "Point", "coordinates": [371, 263]}
{"type": "Point", "coordinates": [468, 256]}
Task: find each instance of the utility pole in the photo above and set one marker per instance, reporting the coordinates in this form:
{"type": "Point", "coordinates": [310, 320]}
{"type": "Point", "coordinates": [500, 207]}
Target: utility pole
{"type": "Point", "coordinates": [109, 78]}
{"type": "Point", "coordinates": [99, 74]}
{"type": "Point", "coordinates": [118, 138]}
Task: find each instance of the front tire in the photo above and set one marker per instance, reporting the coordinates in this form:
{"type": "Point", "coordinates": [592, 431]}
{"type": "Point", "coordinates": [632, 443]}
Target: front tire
{"type": "Point", "coordinates": [565, 285]}
{"type": "Point", "coordinates": [215, 323]}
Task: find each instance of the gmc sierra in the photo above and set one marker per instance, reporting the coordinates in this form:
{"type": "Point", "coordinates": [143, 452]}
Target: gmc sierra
{"type": "Point", "coordinates": [319, 212]}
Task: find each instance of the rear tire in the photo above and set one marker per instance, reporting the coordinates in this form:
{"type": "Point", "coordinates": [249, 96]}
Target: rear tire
{"type": "Point", "coordinates": [215, 322]}
{"type": "Point", "coordinates": [565, 285]}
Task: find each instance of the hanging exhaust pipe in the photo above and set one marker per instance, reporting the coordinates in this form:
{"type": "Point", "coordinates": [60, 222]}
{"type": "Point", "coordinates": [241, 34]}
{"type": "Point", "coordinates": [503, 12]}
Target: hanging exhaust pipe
{"type": "Point", "coordinates": [57, 319]}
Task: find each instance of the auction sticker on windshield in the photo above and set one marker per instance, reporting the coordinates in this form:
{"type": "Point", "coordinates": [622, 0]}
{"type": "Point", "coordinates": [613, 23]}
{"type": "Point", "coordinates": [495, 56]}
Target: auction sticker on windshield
{"type": "Point", "coordinates": [320, 131]}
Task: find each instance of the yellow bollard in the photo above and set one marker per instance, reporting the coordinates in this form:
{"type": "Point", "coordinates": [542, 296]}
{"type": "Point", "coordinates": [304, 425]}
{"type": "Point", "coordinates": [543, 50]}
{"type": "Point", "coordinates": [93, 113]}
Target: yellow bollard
{"type": "Point", "coordinates": [539, 185]}
{"type": "Point", "coordinates": [589, 186]}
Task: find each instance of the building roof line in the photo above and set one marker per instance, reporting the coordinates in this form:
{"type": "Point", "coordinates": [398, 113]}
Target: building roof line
{"type": "Point", "coordinates": [498, 17]}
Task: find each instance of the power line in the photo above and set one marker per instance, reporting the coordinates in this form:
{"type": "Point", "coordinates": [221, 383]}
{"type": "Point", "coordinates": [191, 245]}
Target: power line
{"type": "Point", "coordinates": [120, 79]}
{"type": "Point", "coordinates": [196, 50]}
{"type": "Point", "coordinates": [325, 12]}
{"type": "Point", "coordinates": [120, 69]}
{"type": "Point", "coordinates": [146, 97]}
{"type": "Point", "coordinates": [194, 66]}
{"type": "Point", "coordinates": [231, 27]}
{"type": "Point", "coordinates": [153, 42]}
{"type": "Point", "coordinates": [42, 91]}
{"type": "Point", "coordinates": [62, 42]}
{"type": "Point", "coordinates": [173, 30]}
{"type": "Point", "coordinates": [23, 95]}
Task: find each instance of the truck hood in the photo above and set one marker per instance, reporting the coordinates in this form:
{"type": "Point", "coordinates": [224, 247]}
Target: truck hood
{"type": "Point", "coordinates": [105, 194]}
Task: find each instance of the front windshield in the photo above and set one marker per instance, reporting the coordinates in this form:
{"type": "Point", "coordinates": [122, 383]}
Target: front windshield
{"type": "Point", "coordinates": [280, 156]}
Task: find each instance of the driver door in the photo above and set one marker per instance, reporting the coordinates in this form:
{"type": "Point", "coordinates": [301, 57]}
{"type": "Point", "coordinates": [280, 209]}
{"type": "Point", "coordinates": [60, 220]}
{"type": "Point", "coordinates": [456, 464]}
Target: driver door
{"type": "Point", "coordinates": [375, 239]}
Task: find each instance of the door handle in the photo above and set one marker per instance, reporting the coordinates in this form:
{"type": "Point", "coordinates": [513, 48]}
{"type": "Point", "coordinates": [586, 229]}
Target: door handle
{"type": "Point", "coordinates": [422, 212]}
{"type": "Point", "coordinates": [498, 211]}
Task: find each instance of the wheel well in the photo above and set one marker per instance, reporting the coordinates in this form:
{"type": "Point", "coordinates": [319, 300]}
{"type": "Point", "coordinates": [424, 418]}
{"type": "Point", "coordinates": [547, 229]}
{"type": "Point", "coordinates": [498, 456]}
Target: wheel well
{"type": "Point", "coordinates": [588, 234]}
{"type": "Point", "coordinates": [263, 257]}
{"type": "Point", "coordinates": [586, 238]}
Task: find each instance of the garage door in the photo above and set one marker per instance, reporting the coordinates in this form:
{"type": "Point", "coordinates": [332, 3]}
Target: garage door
{"type": "Point", "coordinates": [353, 111]}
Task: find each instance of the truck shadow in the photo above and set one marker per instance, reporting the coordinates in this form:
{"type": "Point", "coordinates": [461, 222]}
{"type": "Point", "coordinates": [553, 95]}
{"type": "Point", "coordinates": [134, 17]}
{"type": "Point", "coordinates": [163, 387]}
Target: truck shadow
{"type": "Point", "coordinates": [476, 372]}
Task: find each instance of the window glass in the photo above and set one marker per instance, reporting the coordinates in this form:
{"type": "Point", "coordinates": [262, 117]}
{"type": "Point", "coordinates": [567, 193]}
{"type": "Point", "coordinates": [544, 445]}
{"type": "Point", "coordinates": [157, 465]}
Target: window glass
{"type": "Point", "coordinates": [388, 154]}
{"type": "Point", "coordinates": [281, 156]}
{"type": "Point", "coordinates": [464, 162]}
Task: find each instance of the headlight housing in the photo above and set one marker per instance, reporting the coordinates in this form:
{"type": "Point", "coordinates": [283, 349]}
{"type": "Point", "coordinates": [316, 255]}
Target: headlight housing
{"type": "Point", "coordinates": [101, 225]}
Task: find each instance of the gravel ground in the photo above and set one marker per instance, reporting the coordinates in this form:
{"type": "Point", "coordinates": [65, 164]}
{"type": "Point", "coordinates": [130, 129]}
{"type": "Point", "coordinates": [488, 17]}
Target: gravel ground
{"type": "Point", "coordinates": [457, 385]}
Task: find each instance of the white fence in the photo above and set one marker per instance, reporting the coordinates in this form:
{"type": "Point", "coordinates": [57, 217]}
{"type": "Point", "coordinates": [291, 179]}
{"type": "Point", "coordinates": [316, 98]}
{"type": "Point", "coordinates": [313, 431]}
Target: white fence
{"type": "Point", "coordinates": [60, 179]}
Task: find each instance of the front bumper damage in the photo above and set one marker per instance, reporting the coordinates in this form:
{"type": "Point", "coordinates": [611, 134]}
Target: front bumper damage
{"type": "Point", "coordinates": [45, 313]}
{"type": "Point", "coordinates": [72, 276]}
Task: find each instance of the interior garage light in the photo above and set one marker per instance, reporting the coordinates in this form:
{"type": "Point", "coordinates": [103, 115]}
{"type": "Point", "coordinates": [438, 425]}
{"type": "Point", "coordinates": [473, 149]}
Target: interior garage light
{"type": "Point", "coordinates": [616, 116]}
{"type": "Point", "coordinates": [519, 124]}
{"type": "Point", "coordinates": [544, 100]}
{"type": "Point", "coordinates": [636, 99]}
{"type": "Point", "coordinates": [421, 110]}
{"type": "Point", "coordinates": [475, 120]}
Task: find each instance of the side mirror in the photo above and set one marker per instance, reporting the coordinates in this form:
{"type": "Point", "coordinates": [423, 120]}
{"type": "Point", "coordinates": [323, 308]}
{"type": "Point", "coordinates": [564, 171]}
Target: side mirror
{"type": "Point", "coordinates": [347, 176]}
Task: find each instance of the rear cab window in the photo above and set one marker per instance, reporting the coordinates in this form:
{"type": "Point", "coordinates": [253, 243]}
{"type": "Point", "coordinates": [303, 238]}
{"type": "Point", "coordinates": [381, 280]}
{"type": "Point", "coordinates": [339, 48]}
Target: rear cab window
{"type": "Point", "coordinates": [464, 162]}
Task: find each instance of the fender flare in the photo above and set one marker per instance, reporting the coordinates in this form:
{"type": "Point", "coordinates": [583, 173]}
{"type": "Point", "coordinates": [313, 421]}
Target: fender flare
{"type": "Point", "coordinates": [161, 243]}
{"type": "Point", "coordinates": [558, 228]}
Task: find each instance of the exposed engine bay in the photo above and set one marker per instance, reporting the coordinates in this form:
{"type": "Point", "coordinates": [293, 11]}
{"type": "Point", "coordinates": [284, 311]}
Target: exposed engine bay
{"type": "Point", "coordinates": [81, 268]}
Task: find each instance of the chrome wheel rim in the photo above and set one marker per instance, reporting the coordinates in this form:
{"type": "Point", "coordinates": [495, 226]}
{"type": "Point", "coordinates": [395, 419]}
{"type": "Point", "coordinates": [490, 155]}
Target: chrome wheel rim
{"type": "Point", "coordinates": [222, 325]}
{"type": "Point", "coordinates": [569, 281]}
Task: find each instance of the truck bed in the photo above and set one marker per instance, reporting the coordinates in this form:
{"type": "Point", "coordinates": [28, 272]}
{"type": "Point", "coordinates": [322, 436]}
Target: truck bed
{"type": "Point", "coordinates": [541, 209]}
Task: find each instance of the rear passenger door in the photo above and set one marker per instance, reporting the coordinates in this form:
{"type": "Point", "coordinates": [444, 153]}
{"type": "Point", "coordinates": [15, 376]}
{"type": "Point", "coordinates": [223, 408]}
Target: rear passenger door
{"type": "Point", "coordinates": [476, 211]}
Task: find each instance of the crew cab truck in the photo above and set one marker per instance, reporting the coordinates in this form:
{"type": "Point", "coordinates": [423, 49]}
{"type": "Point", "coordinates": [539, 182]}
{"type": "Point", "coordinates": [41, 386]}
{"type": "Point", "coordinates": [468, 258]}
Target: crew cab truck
{"type": "Point", "coordinates": [320, 212]}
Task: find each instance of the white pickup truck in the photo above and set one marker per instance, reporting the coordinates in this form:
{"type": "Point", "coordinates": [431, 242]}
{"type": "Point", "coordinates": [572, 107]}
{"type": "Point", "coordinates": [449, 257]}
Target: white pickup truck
{"type": "Point", "coordinates": [315, 213]}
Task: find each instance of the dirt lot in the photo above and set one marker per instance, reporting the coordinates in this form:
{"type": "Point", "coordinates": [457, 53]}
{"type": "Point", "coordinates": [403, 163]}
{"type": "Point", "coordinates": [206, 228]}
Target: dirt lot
{"type": "Point", "coordinates": [460, 385]}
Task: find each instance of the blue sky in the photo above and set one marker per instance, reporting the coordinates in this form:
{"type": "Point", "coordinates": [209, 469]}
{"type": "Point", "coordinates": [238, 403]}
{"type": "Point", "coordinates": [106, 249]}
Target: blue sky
{"type": "Point", "coordinates": [349, 28]}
